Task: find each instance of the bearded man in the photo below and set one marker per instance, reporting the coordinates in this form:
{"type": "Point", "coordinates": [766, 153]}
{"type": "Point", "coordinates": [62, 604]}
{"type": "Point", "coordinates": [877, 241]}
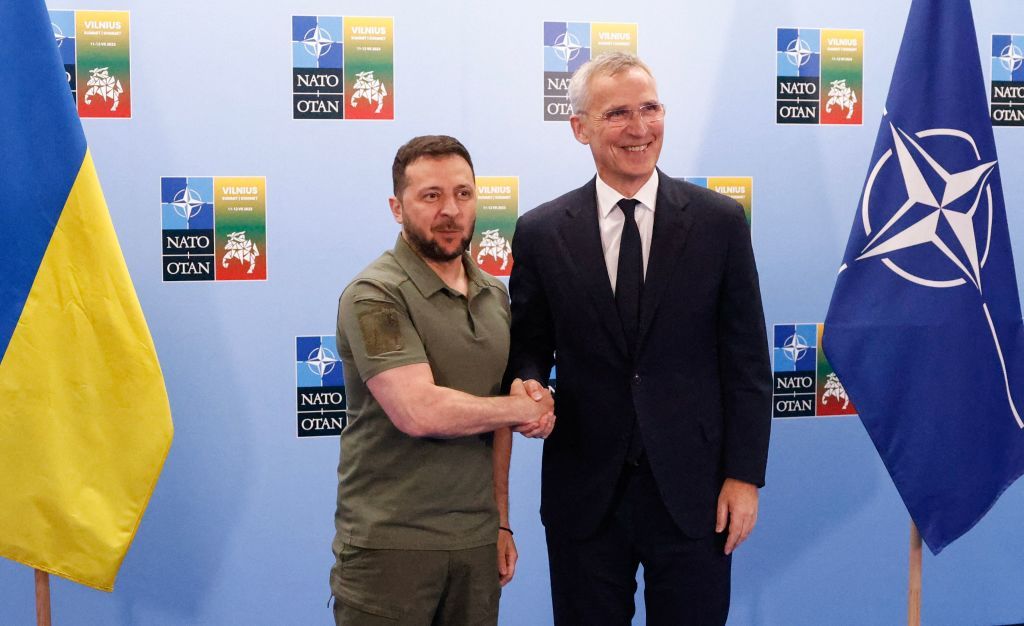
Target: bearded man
{"type": "Point", "coordinates": [423, 534]}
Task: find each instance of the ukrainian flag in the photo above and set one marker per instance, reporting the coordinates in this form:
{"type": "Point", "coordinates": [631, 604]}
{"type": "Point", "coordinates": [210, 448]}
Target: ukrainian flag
{"type": "Point", "coordinates": [85, 424]}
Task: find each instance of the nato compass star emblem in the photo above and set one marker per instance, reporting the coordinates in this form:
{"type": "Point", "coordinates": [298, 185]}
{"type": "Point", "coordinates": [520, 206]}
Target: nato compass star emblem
{"type": "Point", "coordinates": [58, 34]}
{"type": "Point", "coordinates": [317, 41]}
{"type": "Point", "coordinates": [187, 203]}
{"type": "Point", "coordinates": [321, 361]}
{"type": "Point", "coordinates": [1011, 58]}
{"type": "Point", "coordinates": [798, 52]}
{"type": "Point", "coordinates": [941, 212]}
{"type": "Point", "coordinates": [795, 347]}
{"type": "Point", "coordinates": [567, 46]}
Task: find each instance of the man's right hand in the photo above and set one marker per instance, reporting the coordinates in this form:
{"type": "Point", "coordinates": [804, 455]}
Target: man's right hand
{"type": "Point", "coordinates": [540, 412]}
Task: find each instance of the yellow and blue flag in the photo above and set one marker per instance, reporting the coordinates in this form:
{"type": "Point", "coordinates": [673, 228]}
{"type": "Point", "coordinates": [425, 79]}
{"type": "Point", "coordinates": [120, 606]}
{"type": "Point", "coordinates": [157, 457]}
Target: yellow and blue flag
{"type": "Point", "coordinates": [924, 328]}
{"type": "Point", "coordinates": [85, 424]}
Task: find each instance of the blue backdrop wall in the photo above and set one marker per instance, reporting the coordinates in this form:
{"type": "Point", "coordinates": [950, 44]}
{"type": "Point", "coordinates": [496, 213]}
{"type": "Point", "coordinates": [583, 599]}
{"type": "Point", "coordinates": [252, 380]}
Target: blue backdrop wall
{"type": "Point", "coordinates": [239, 528]}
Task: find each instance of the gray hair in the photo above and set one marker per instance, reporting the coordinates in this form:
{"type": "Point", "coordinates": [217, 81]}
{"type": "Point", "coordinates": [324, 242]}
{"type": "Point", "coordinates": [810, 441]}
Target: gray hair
{"type": "Point", "coordinates": [608, 64]}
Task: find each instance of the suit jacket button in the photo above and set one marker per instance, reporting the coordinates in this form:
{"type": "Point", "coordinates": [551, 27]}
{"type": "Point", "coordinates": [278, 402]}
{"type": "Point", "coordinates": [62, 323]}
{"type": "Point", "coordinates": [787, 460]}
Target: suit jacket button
{"type": "Point", "coordinates": [636, 379]}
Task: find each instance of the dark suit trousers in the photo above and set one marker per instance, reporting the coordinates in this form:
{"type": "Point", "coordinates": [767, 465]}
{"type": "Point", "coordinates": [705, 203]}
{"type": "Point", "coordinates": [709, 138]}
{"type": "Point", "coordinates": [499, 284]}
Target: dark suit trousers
{"type": "Point", "coordinates": [593, 580]}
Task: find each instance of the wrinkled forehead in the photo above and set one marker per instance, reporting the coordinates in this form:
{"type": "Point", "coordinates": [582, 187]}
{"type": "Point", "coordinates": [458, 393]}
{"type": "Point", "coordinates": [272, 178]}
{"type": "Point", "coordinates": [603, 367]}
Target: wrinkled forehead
{"type": "Point", "coordinates": [632, 86]}
{"type": "Point", "coordinates": [445, 171]}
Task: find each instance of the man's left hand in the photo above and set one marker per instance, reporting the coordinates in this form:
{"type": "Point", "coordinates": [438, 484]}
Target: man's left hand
{"type": "Point", "coordinates": [737, 506]}
{"type": "Point", "coordinates": [507, 557]}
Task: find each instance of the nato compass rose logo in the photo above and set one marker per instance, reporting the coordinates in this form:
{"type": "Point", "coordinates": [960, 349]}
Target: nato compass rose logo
{"type": "Point", "coordinates": [798, 52]}
{"type": "Point", "coordinates": [794, 365]}
{"type": "Point", "coordinates": [58, 34]}
{"type": "Point", "coordinates": [321, 361]}
{"type": "Point", "coordinates": [567, 46]}
{"type": "Point", "coordinates": [795, 347]}
{"type": "Point", "coordinates": [944, 212]}
{"type": "Point", "coordinates": [1011, 58]}
{"type": "Point", "coordinates": [317, 41]}
{"type": "Point", "coordinates": [187, 203]}
{"type": "Point", "coordinates": [320, 400]}
{"type": "Point", "coordinates": [62, 23]}
{"type": "Point", "coordinates": [1007, 91]}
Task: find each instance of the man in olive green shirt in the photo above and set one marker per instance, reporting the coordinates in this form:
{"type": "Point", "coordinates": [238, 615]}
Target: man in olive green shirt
{"type": "Point", "coordinates": [422, 519]}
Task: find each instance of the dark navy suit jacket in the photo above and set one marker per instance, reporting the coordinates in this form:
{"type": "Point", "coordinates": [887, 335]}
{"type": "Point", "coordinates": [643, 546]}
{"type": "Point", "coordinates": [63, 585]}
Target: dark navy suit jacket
{"type": "Point", "coordinates": [698, 380]}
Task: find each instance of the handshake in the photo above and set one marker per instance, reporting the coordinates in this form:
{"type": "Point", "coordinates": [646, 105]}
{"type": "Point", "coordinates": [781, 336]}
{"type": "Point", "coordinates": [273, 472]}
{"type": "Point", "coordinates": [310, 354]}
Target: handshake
{"type": "Point", "coordinates": [537, 408]}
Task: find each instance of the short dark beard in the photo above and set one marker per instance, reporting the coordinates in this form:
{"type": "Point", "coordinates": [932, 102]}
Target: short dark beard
{"type": "Point", "coordinates": [430, 249]}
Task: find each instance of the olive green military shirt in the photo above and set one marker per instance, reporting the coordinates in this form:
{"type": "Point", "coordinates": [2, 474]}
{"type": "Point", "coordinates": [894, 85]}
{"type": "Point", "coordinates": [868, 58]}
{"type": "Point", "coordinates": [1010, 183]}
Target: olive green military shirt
{"type": "Point", "coordinates": [402, 492]}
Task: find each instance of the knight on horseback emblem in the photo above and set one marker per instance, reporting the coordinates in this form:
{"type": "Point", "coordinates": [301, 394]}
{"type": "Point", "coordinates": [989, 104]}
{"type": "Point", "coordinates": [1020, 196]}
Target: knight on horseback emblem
{"type": "Point", "coordinates": [841, 95]}
{"type": "Point", "coordinates": [238, 247]}
{"type": "Point", "coordinates": [495, 246]}
{"type": "Point", "coordinates": [366, 86]}
{"type": "Point", "coordinates": [102, 84]}
{"type": "Point", "coordinates": [835, 389]}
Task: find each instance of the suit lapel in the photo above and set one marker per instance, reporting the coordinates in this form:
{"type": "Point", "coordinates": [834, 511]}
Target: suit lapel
{"type": "Point", "coordinates": [671, 226]}
{"type": "Point", "coordinates": [582, 237]}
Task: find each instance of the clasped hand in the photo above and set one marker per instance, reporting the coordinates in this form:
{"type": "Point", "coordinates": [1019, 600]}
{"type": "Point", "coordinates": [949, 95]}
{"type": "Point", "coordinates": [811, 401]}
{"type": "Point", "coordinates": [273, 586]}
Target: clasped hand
{"type": "Point", "coordinates": [539, 416]}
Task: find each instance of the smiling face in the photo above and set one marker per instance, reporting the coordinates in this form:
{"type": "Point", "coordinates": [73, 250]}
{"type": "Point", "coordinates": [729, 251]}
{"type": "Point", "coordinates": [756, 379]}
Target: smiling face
{"type": "Point", "coordinates": [626, 156]}
{"type": "Point", "coordinates": [437, 208]}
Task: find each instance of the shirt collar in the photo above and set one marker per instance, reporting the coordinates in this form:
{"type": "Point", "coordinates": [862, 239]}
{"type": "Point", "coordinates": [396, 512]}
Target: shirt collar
{"type": "Point", "coordinates": [426, 279]}
{"type": "Point", "coordinates": [608, 198]}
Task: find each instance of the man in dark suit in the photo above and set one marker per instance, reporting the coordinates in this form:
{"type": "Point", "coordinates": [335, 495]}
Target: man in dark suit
{"type": "Point", "coordinates": [643, 291]}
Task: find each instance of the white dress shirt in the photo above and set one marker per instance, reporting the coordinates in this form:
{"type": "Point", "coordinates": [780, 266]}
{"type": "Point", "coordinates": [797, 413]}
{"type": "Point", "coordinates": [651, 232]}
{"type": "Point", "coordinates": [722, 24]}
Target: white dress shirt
{"type": "Point", "coordinates": [610, 220]}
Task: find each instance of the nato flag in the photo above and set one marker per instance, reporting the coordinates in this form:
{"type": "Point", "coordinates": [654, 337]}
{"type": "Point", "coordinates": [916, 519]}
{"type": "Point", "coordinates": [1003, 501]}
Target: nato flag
{"type": "Point", "coordinates": [924, 327]}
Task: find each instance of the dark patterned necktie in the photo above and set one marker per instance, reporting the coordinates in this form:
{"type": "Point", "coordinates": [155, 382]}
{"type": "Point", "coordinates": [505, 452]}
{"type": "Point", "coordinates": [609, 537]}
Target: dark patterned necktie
{"type": "Point", "coordinates": [629, 280]}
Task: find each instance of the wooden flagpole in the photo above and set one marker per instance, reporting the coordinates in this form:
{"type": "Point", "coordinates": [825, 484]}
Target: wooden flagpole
{"type": "Point", "coordinates": [914, 588]}
{"type": "Point", "coordinates": [42, 598]}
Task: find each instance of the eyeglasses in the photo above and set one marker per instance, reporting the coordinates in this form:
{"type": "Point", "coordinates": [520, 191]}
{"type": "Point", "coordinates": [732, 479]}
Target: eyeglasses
{"type": "Point", "coordinates": [649, 113]}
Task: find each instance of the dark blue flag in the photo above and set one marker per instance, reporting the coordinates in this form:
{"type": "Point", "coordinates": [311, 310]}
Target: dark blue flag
{"type": "Point", "coordinates": [924, 328]}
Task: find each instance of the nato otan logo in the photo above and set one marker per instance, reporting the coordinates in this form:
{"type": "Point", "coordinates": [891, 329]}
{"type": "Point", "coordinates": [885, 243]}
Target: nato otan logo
{"type": "Point", "coordinates": [63, 25]}
{"type": "Point", "coordinates": [798, 73]}
{"type": "Point", "coordinates": [1007, 80]}
{"type": "Point", "coordinates": [318, 81]}
{"type": "Point", "coordinates": [804, 383]}
{"type": "Point", "coordinates": [320, 399]}
{"type": "Point", "coordinates": [187, 219]}
{"type": "Point", "coordinates": [343, 67]}
{"type": "Point", "coordinates": [214, 228]}
{"type": "Point", "coordinates": [819, 76]}
{"type": "Point", "coordinates": [566, 48]}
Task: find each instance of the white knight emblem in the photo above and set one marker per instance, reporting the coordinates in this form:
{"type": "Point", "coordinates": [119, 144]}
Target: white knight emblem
{"type": "Point", "coordinates": [835, 389]}
{"type": "Point", "coordinates": [238, 247]}
{"type": "Point", "coordinates": [102, 84]}
{"type": "Point", "coordinates": [494, 246]}
{"type": "Point", "coordinates": [370, 88]}
{"type": "Point", "coordinates": [842, 96]}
